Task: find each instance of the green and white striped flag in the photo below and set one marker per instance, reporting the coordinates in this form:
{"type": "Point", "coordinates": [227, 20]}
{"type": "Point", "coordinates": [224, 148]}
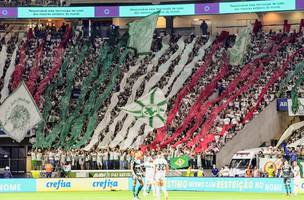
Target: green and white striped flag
{"type": "Point", "coordinates": [151, 108]}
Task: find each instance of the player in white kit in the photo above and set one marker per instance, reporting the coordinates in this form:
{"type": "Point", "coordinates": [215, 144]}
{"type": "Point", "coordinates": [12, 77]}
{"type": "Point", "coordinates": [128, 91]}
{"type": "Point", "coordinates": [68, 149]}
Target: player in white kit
{"type": "Point", "coordinates": [161, 168]}
{"type": "Point", "coordinates": [149, 176]}
{"type": "Point", "coordinates": [296, 177]}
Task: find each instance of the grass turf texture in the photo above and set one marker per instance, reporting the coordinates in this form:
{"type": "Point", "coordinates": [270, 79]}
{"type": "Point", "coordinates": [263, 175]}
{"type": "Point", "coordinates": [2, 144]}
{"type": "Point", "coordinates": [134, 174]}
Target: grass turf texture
{"type": "Point", "coordinates": [120, 195]}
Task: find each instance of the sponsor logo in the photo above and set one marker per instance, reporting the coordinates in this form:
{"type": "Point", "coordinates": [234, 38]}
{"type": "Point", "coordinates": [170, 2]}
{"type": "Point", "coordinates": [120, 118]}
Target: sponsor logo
{"type": "Point", "coordinates": [282, 104]}
{"type": "Point", "coordinates": [10, 187]}
{"type": "Point", "coordinates": [107, 183]}
{"type": "Point", "coordinates": [58, 184]}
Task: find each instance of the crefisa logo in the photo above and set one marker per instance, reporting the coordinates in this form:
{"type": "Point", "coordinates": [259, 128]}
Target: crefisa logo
{"type": "Point", "coordinates": [58, 184]}
{"type": "Point", "coordinates": [106, 183]}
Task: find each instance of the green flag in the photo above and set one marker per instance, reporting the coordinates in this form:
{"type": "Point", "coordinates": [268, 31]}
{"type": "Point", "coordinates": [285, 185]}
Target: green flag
{"type": "Point", "coordinates": [237, 52]}
{"type": "Point", "coordinates": [141, 33]}
{"type": "Point", "coordinates": [179, 162]}
{"type": "Point", "coordinates": [151, 108]}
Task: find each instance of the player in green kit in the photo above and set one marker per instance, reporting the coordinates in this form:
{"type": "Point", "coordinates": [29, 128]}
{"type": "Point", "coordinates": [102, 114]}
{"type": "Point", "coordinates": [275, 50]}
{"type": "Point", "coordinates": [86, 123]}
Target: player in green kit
{"type": "Point", "coordinates": [287, 175]}
{"type": "Point", "coordinates": [137, 173]}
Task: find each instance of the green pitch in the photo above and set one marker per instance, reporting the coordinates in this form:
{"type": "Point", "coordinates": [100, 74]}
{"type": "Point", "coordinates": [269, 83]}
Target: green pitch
{"type": "Point", "coordinates": [128, 196]}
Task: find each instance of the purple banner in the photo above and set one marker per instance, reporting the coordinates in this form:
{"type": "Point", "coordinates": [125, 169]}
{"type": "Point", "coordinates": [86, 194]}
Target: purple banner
{"type": "Point", "coordinates": [8, 12]}
{"type": "Point", "coordinates": [207, 8]}
{"type": "Point", "coordinates": [107, 11]}
{"type": "Point", "coordinates": [300, 4]}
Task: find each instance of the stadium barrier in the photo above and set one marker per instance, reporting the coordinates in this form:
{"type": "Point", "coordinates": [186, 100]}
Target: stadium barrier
{"type": "Point", "coordinates": [81, 184]}
{"type": "Point", "coordinates": [256, 185]}
{"type": "Point", "coordinates": [104, 173]}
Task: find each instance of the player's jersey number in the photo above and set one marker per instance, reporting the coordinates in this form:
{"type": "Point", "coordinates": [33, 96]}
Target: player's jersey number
{"type": "Point", "coordinates": [161, 167]}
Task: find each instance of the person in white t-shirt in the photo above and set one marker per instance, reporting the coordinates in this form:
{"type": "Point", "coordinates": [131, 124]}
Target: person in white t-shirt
{"type": "Point", "coordinates": [149, 176]}
{"type": "Point", "coordinates": [111, 158]}
{"type": "Point", "coordinates": [94, 160]}
{"type": "Point", "coordinates": [105, 159]}
{"type": "Point", "coordinates": [161, 168]}
{"type": "Point", "coordinates": [99, 159]}
{"type": "Point", "coordinates": [69, 158]}
{"type": "Point", "coordinates": [81, 160]}
{"type": "Point", "coordinates": [63, 158]}
{"type": "Point", "coordinates": [57, 159]}
{"type": "Point", "coordinates": [122, 160]}
{"type": "Point", "coordinates": [116, 155]}
{"type": "Point", "coordinates": [52, 158]}
{"type": "Point", "coordinates": [87, 161]}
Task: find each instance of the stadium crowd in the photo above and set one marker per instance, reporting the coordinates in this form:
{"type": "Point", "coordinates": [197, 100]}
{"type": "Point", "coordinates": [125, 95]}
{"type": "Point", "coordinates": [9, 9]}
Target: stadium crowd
{"type": "Point", "coordinates": [228, 122]}
{"type": "Point", "coordinates": [235, 116]}
{"type": "Point", "coordinates": [107, 159]}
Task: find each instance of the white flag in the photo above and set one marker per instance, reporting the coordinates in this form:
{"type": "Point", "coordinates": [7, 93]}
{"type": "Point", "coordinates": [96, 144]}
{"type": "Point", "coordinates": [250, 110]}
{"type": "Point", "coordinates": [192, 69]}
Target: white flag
{"type": "Point", "coordinates": [19, 113]}
{"type": "Point", "coordinates": [151, 108]}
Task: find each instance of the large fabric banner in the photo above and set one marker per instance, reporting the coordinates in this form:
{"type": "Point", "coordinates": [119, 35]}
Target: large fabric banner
{"type": "Point", "coordinates": [8, 76]}
{"type": "Point", "coordinates": [151, 108]}
{"type": "Point", "coordinates": [236, 53]}
{"type": "Point", "coordinates": [284, 83]}
{"type": "Point", "coordinates": [141, 33]}
{"type": "Point", "coordinates": [3, 56]}
{"type": "Point", "coordinates": [19, 113]}
{"type": "Point", "coordinates": [35, 70]}
{"type": "Point", "coordinates": [19, 69]}
{"type": "Point", "coordinates": [300, 107]}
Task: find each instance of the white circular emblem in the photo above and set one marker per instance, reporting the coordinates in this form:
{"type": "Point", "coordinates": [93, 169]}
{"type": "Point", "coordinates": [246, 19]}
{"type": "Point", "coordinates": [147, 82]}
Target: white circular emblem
{"type": "Point", "coordinates": [4, 12]}
{"type": "Point", "coordinates": [19, 117]}
{"type": "Point", "coordinates": [106, 11]}
{"type": "Point", "coordinates": [206, 8]}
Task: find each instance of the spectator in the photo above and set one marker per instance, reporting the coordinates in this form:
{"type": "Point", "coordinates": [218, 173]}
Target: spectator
{"type": "Point", "coordinates": [248, 173]}
{"type": "Point", "coordinates": [34, 160]}
{"type": "Point", "coordinates": [256, 172]}
{"type": "Point", "coordinates": [48, 170]}
{"type": "Point", "coordinates": [189, 171]}
{"type": "Point", "coordinates": [215, 171]}
{"type": "Point", "coordinates": [39, 160]}
{"type": "Point", "coordinates": [225, 171]}
{"type": "Point", "coordinates": [270, 171]}
{"type": "Point", "coordinates": [200, 172]}
{"type": "Point", "coordinates": [105, 159]}
{"type": "Point", "coordinates": [99, 159]}
{"type": "Point", "coordinates": [116, 156]}
{"type": "Point", "coordinates": [204, 28]}
{"type": "Point", "coordinates": [7, 173]}
{"type": "Point", "coordinates": [293, 156]}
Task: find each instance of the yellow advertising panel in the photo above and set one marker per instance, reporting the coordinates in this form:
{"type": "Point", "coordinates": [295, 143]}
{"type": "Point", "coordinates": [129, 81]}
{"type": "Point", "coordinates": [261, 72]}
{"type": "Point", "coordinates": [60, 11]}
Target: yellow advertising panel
{"type": "Point", "coordinates": [81, 184]}
{"type": "Point", "coordinates": [299, 185]}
